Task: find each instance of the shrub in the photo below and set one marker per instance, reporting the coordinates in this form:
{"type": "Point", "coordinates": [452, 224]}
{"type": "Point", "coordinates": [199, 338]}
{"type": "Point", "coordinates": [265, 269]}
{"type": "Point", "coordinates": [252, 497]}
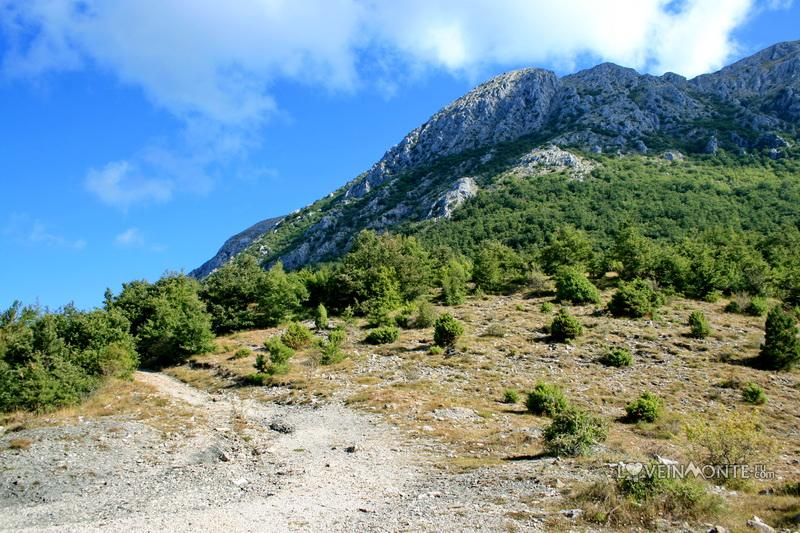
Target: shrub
{"type": "Point", "coordinates": [261, 364]}
{"type": "Point", "coordinates": [426, 315]}
{"type": "Point", "coordinates": [435, 350]}
{"type": "Point", "coordinates": [780, 350]}
{"type": "Point", "coordinates": [382, 335]}
{"type": "Point", "coordinates": [635, 501]}
{"type": "Point", "coordinates": [574, 287]}
{"type": "Point", "coordinates": [616, 357]}
{"type": "Point", "coordinates": [296, 336]}
{"type": "Point", "coordinates": [646, 408]}
{"type": "Point", "coordinates": [744, 304]}
{"type": "Point", "coordinates": [242, 352]}
{"type": "Point", "coordinates": [546, 308]}
{"type": "Point", "coordinates": [510, 396]}
{"type": "Point", "coordinates": [757, 306]}
{"type": "Point", "coordinates": [734, 306]}
{"type": "Point", "coordinates": [546, 399]}
{"type": "Point", "coordinates": [447, 330]}
{"type": "Point", "coordinates": [698, 325]}
{"type": "Point", "coordinates": [279, 352]}
{"type": "Point", "coordinates": [332, 347]}
{"type": "Point", "coordinates": [573, 432]}
{"type": "Point", "coordinates": [403, 318]}
{"type": "Point", "coordinates": [321, 317]}
{"type": "Point", "coordinates": [753, 394]}
{"type": "Point", "coordinates": [257, 379]}
{"type": "Point", "coordinates": [495, 329]}
{"type": "Point", "coordinates": [635, 299]}
{"type": "Point", "coordinates": [735, 439]}
{"type": "Point", "coordinates": [565, 327]}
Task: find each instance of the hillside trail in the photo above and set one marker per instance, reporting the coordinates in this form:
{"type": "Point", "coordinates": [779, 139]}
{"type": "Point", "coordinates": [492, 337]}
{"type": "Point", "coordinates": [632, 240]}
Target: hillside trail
{"type": "Point", "coordinates": [248, 465]}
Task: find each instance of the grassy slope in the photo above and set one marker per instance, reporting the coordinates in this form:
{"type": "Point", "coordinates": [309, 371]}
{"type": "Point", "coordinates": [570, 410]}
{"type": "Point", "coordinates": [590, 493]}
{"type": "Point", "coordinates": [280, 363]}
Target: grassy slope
{"type": "Point", "coordinates": [407, 385]}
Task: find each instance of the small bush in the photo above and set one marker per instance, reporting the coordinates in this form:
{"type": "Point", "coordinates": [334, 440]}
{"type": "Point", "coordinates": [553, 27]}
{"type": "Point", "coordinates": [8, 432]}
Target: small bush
{"type": "Point", "coordinates": [735, 439]}
{"type": "Point", "coordinates": [573, 432]}
{"type": "Point", "coordinates": [403, 318]}
{"type": "Point", "coordinates": [296, 336]}
{"type": "Point", "coordinates": [616, 357]}
{"type": "Point", "coordinates": [756, 307]}
{"type": "Point", "coordinates": [321, 317]}
{"type": "Point", "coordinates": [261, 364]}
{"type": "Point", "coordinates": [546, 308]}
{"type": "Point", "coordinates": [698, 325]}
{"type": "Point", "coordinates": [258, 379]}
{"type": "Point", "coordinates": [382, 335]}
{"type": "Point", "coordinates": [565, 327]}
{"type": "Point", "coordinates": [279, 353]}
{"type": "Point", "coordinates": [733, 307]}
{"type": "Point", "coordinates": [574, 287]}
{"type": "Point", "coordinates": [746, 305]}
{"type": "Point", "coordinates": [426, 315]}
{"type": "Point", "coordinates": [435, 350]}
{"type": "Point", "coordinates": [646, 408]}
{"type": "Point", "coordinates": [510, 396]}
{"type": "Point", "coordinates": [633, 502]}
{"type": "Point", "coordinates": [243, 352]}
{"type": "Point", "coordinates": [546, 399]}
{"type": "Point", "coordinates": [635, 299]}
{"type": "Point", "coordinates": [753, 394]}
{"type": "Point", "coordinates": [495, 329]}
{"type": "Point", "coordinates": [278, 361]}
{"type": "Point", "coordinates": [447, 330]}
{"type": "Point", "coordinates": [781, 349]}
{"type": "Point", "coordinates": [332, 347]}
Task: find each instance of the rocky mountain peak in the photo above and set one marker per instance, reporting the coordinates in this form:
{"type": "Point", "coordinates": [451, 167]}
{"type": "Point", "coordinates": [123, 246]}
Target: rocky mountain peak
{"type": "Point", "coordinates": [753, 104]}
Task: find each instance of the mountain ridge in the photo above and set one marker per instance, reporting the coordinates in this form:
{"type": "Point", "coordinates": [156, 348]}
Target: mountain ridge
{"type": "Point", "coordinates": [752, 104]}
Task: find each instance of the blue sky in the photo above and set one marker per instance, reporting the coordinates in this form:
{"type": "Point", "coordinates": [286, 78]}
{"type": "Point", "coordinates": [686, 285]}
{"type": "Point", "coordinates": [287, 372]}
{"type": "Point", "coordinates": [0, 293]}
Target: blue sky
{"type": "Point", "coordinates": [136, 136]}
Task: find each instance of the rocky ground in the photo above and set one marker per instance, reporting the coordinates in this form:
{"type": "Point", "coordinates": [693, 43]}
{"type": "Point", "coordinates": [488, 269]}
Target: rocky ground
{"type": "Point", "coordinates": [244, 465]}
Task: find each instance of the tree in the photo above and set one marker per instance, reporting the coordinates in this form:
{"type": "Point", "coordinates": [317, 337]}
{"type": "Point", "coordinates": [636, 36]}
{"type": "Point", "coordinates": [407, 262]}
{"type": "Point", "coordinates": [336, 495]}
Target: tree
{"type": "Point", "coordinates": [781, 350]}
{"type": "Point", "coordinates": [454, 276]}
{"type": "Point", "coordinates": [373, 256]}
{"type": "Point", "coordinates": [574, 287]}
{"type": "Point", "coordinates": [635, 252]}
{"type": "Point", "coordinates": [168, 319]}
{"type": "Point", "coordinates": [279, 296]}
{"type": "Point", "coordinates": [566, 247]}
{"type": "Point", "coordinates": [496, 267]}
{"type": "Point", "coordinates": [231, 294]}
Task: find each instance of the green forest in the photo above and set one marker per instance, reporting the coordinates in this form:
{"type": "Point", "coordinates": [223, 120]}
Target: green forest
{"type": "Point", "coordinates": [704, 228]}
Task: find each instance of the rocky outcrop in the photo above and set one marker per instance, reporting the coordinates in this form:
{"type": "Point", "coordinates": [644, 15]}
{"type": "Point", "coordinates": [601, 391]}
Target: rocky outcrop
{"type": "Point", "coordinates": [462, 190]}
{"type": "Point", "coordinates": [234, 245]}
{"type": "Point", "coordinates": [552, 159]}
{"type": "Point", "coordinates": [503, 109]}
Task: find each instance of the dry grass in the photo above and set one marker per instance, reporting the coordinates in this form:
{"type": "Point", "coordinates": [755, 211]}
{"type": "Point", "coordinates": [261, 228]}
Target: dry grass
{"type": "Point", "coordinates": [411, 387]}
{"type": "Point", "coordinates": [121, 398]}
{"type": "Point", "coordinates": [19, 444]}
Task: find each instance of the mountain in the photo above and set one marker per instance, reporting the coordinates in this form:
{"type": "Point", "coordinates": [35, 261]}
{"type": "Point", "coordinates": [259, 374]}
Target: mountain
{"type": "Point", "coordinates": [532, 122]}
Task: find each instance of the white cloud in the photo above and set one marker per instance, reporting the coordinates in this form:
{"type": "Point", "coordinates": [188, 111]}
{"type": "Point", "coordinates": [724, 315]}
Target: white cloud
{"type": "Point", "coordinates": [129, 238]}
{"type": "Point", "coordinates": [33, 232]}
{"type": "Point", "coordinates": [118, 184]}
{"type": "Point", "coordinates": [212, 64]}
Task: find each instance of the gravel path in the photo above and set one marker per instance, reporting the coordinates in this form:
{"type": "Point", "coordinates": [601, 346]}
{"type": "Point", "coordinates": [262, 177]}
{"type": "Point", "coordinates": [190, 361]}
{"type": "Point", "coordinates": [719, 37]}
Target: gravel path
{"type": "Point", "coordinates": [249, 466]}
